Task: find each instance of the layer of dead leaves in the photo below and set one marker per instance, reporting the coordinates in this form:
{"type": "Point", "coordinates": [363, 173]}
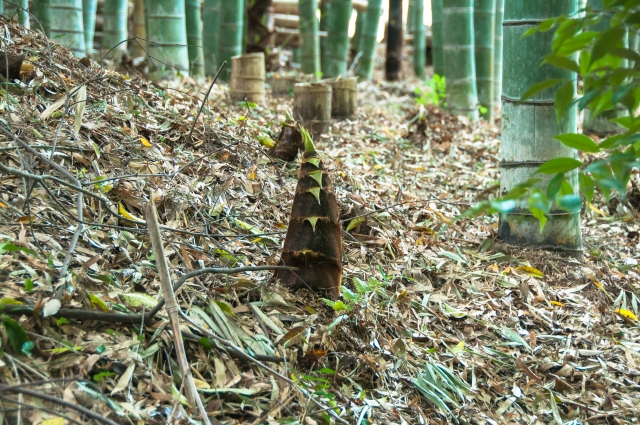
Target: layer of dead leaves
{"type": "Point", "coordinates": [438, 321]}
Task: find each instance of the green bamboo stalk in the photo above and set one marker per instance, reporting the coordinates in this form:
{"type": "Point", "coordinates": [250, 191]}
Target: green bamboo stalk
{"type": "Point", "coordinates": [230, 38]}
{"type": "Point", "coordinates": [436, 37]}
{"type": "Point", "coordinates": [337, 39]}
{"type": "Point", "coordinates": [66, 25]}
{"type": "Point", "coordinates": [194, 38]}
{"type": "Point", "coordinates": [361, 18]}
{"type": "Point", "coordinates": [19, 8]}
{"type": "Point", "coordinates": [459, 63]}
{"type": "Point", "coordinates": [497, 53]}
{"type": "Point", "coordinates": [419, 43]}
{"type": "Point", "coordinates": [89, 8]}
{"type": "Point", "coordinates": [309, 41]}
{"type": "Point", "coordinates": [211, 27]}
{"type": "Point", "coordinates": [411, 10]}
{"type": "Point", "coordinates": [369, 41]}
{"type": "Point", "coordinates": [528, 127]}
{"type": "Point", "coordinates": [41, 10]}
{"type": "Point", "coordinates": [114, 30]}
{"type": "Point", "coordinates": [167, 35]}
{"type": "Point", "coordinates": [483, 34]}
{"type": "Point", "coordinates": [325, 13]}
{"type": "Point", "coordinates": [2, 7]}
{"type": "Point", "coordinates": [601, 124]}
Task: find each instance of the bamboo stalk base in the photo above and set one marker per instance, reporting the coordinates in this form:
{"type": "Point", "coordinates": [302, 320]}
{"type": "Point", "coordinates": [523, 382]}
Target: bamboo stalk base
{"type": "Point", "coordinates": [312, 106]}
{"type": "Point", "coordinates": [344, 96]}
{"type": "Point", "coordinates": [247, 78]}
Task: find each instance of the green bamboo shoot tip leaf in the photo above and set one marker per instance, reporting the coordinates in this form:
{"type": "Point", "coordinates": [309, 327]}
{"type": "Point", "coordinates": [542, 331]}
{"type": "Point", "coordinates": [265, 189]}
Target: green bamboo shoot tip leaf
{"type": "Point", "coordinates": [308, 143]}
{"type": "Point", "coordinates": [317, 176]}
{"type": "Point", "coordinates": [316, 192]}
{"type": "Point", "coordinates": [313, 221]}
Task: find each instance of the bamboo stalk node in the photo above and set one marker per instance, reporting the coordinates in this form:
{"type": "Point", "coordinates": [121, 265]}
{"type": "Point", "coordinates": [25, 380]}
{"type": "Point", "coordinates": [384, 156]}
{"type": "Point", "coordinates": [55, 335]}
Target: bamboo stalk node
{"type": "Point", "coordinates": [247, 78]}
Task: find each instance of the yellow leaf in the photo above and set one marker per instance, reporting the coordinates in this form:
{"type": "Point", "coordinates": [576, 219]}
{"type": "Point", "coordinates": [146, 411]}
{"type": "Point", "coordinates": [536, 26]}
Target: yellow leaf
{"type": "Point", "coordinates": [353, 223]}
{"type": "Point", "coordinates": [531, 271]}
{"type": "Point", "coordinates": [594, 208]}
{"type": "Point", "coordinates": [98, 303]}
{"type": "Point", "coordinates": [201, 385]}
{"type": "Point", "coordinates": [54, 421]}
{"type": "Point", "coordinates": [559, 304]}
{"type": "Point", "coordinates": [443, 218]}
{"type": "Point", "coordinates": [3, 205]}
{"type": "Point", "coordinates": [626, 313]}
{"type": "Point", "coordinates": [145, 142]}
{"type": "Point", "coordinates": [10, 301]}
{"type": "Point", "coordinates": [126, 214]}
{"type": "Point", "coordinates": [458, 348]}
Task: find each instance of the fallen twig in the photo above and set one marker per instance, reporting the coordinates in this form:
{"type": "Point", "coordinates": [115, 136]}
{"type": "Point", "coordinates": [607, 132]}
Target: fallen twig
{"type": "Point", "coordinates": [204, 101]}
{"type": "Point", "coordinates": [38, 394]}
{"type": "Point", "coordinates": [173, 309]}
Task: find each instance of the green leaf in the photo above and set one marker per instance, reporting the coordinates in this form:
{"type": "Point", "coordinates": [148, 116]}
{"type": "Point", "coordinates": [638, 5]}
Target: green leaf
{"type": "Point", "coordinates": [579, 142]}
{"type": "Point", "coordinates": [554, 185]}
{"type": "Point", "coordinates": [559, 165]}
{"type": "Point", "coordinates": [561, 62]}
{"type": "Point", "coordinates": [571, 203]}
{"type": "Point", "coordinates": [225, 307]}
{"type": "Point", "coordinates": [587, 186]}
{"type": "Point", "coordinates": [564, 98]}
{"type": "Point", "coordinates": [317, 176]}
{"type": "Point", "coordinates": [538, 87]}
{"type": "Point", "coordinates": [205, 342]}
{"type": "Point", "coordinates": [316, 192]}
{"type": "Point", "coordinates": [15, 333]}
{"type": "Point", "coordinates": [104, 374]}
{"type": "Point", "coordinates": [607, 41]}
{"type": "Point", "coordinates": [306, 139]}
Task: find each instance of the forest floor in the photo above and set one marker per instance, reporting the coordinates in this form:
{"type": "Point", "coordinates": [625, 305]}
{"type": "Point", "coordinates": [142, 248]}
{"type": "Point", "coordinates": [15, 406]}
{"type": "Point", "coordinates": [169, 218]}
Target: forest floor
{"type": "Point", "coordinates": [439, 321]}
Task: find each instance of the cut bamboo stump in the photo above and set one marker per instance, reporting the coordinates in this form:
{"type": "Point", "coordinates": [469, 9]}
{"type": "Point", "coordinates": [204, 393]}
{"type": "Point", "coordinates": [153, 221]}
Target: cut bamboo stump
{"type": "Point", "coordinates": [247, 78]}
{"type": "Point", "coordinates": [312, 106]}
{"type": "Point", "coordinates": [282, 85]}
{"type": "Point", "coordinates": [344, 96]}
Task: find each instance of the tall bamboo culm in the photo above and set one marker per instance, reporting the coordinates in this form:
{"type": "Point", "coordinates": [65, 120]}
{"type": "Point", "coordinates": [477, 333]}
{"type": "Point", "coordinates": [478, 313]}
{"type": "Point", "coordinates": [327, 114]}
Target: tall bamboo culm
{"type": "Point", "coordinates": [419, 43]}
{"type": "Point", "coordinates": [325, 13]}
{"type": "Point", "coordinates": [167, 35]}
{"type": "Point", "coordinates": [484, 32]}
{"type": "Point", "coordinates": [528, 127]}
{"type": "Point", "coordinates": [67, 25]}
{"type": "Point", "coordinates": [230, 36]}
{"type": "Point", "coordinates": [436, 37]}
{"type": "Point", "coordinates": [497, 54]}
{"type": "Point", "coordinates": [41, 10]}
{"type": "Point", "coordinates": [18, 8]}
{"type": "Point", "coordinates": [210, 29]}
{"type": "Point", "coordinates": [310, 43]}
{"type": "Point", "coordinates": [369, 40]}
{"type": "Point", "coordinates": [114, 31]}
{"type": "Point", "coordinates": [357, 35]}
{"type": "Point", "coordinates": [395, 42]}
{"type": "Point", "coordinates": [2, 7]}
{"type": "Point", "coordinates": [89, 8]}
{"type": "Point", "coordinates": [139, 45]}
{"type": "Point", "coordinates": [601, 123]}
{"type": "Point", "coordinates": [337, 39]}
{"type": "Point", "coordinates": [459, 63]}
{"type": "Point", "coordinates": [411, 10]}
{"type": "Point", "coordinates": [194, 38]}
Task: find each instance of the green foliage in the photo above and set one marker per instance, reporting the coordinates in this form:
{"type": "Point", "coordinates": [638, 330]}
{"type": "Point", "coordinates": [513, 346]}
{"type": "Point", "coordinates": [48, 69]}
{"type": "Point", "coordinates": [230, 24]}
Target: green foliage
{"type": "Point", "coordinates": [433, 93]}
{"type": "Point", "coordinates": [367, 293]}
{"type": "Point", "coordinates": [609, 71]}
